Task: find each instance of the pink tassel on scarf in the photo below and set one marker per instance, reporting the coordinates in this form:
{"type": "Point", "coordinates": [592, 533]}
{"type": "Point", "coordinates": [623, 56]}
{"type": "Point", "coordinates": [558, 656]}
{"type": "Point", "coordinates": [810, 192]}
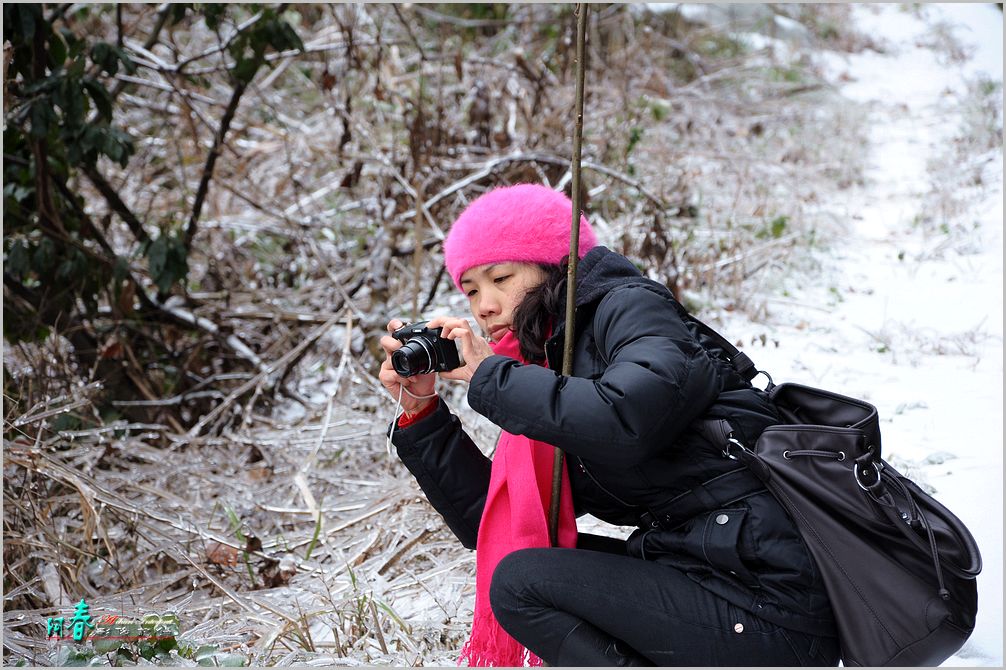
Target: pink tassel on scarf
{"type": "Point", "coordinates": [515, 517]}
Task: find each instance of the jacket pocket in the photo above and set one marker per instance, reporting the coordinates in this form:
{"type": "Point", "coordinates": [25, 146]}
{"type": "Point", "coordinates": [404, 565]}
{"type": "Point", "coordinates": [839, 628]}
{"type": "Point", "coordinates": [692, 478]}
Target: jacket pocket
{"type": "Point", "coordinates": [720, 537]}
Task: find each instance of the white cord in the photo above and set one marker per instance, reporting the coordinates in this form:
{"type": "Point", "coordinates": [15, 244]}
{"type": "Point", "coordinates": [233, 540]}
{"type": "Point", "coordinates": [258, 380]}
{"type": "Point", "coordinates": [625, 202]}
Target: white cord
{"type": "Point", "coordinates": [398, 405]}
{"type": "Point", "coordinates": [417, 397]}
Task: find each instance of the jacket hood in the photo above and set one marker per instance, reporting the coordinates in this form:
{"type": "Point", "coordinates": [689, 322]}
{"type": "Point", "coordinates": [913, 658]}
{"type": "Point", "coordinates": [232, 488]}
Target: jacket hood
{"type": "Point", "coordinates": [601, 270]}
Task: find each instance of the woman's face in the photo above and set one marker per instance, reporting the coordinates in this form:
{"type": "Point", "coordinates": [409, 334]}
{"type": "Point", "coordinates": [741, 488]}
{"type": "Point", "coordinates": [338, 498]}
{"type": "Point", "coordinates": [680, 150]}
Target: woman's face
{"type": "Point", "coordinates": [495, 290]}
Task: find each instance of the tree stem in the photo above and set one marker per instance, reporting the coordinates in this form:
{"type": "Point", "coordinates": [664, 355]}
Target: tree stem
{"type": "Point", "coordinates": [574, 246]}
{"type": "Point", "coordinates": [211, 161]}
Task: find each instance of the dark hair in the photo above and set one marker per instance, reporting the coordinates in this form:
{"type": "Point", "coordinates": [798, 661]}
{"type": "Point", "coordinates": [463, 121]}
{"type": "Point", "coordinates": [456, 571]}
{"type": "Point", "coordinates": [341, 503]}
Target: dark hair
{"type": "Point", "coordinates": [534, 319]}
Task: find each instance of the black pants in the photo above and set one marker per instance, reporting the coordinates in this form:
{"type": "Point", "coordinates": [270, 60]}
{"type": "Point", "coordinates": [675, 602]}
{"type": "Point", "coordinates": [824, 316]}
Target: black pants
{"type": "Point", "coordinates": [620, 610]}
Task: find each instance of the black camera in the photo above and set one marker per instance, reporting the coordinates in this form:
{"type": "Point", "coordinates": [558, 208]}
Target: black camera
{"type": "Point", "coordinates": [423, 351]}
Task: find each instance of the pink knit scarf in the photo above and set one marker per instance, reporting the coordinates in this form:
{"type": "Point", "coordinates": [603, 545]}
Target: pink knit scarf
{"type": "Point", "coordinates": [515, 517]}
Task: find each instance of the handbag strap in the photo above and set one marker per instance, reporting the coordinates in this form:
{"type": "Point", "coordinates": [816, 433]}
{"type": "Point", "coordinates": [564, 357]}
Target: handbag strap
{"type": "Point", "coordinates": [740, 361]}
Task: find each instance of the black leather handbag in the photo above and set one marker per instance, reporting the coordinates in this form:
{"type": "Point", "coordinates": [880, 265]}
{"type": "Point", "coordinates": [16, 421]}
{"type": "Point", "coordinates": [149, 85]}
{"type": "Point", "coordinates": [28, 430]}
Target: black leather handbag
{"type": "Point", "coordinates": [900, 568]}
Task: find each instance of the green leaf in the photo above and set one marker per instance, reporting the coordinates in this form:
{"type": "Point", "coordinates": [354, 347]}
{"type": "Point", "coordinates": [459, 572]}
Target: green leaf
{"type": "Point", "coordinates": [58, 96]}
{"type": "Point", "coordinates": [100, 52]}
{"type": "Point", "coordinates": [65, 270]}
{"type": "Point", "coordinates": [74, 155]}
{"type": "Point", "coordinates": [91, 139]}
{"type": "Point", "coordinates": [292, 39]}
{"type": "Point", "coordinates": [127, 63]}
{"type": "Point", "coordinates": [635, 135]}
{"type": "Point", "coordinates": [779, 226]}
{"type": "Point", "coordinates": [18, 261]}
{"type": "Point", "coordinates": [178, 257]}
{"type": "Point", "coordinates": [147, 650]}
{"type": "Point", "coordinates": [73, 104]}
{"type": "Point", "coordinates": [47, 85]}
{"type": "Point", "coordinates": [235, 522]}
{"type": "Point", "coordinates": [111, 148]}
{"type": "Point", "coordinates": [245, 69]}
{"type": "Point", "coordinates": [125, 143]}
{"type": "Point", "coordinates": [57, 50]}
{"type": "Point", "coordinates": [168, 261]}
{"type": "Point", "coordinates": [102, 99]}
{"type": "Point", "coordinates": [104, 54]}
{"type": "Point", "coordinates": [77, 66]}
{"type": "Point", "coordinates": [84, 147]}
{"type": "Point", "coordinates": [157, 254]}
{"type": "Point", "coordinates": [76, 265]}
{"type": "Point", "coordinates": [203, 651]}
{"type": "Point", "coordinates": [106, 646]}
{"type": "Point", "coordinates": [76, 45]}
{"type": "Point", "coordinates": [70, 655]}
{"type": "Point", "coordinates": [121, 270]}
{"type": "Point", "coordinates": [44, 257]}
{"type": "Point", "coordinates": [261, 38]}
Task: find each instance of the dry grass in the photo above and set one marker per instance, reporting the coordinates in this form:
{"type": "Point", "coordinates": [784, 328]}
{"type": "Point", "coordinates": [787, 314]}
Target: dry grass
{"type": "Point", "coordinates": [278, 542]}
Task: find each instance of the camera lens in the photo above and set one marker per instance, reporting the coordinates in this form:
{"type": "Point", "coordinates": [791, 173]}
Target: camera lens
{"type": "Point", "coordinates": [414, 358]}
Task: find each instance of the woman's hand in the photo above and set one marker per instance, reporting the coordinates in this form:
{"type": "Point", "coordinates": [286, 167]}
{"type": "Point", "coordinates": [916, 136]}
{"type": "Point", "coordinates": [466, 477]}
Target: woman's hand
{"type": "Point", "coordinates": [474, 348]}
{"type": "Point", "coordinates": [416, 385]}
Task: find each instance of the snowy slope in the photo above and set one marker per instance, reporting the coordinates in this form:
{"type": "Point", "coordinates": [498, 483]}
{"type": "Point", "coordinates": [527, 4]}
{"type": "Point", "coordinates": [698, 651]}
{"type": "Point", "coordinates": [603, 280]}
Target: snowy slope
{"type": "Point", "coordinates": [907, 311]}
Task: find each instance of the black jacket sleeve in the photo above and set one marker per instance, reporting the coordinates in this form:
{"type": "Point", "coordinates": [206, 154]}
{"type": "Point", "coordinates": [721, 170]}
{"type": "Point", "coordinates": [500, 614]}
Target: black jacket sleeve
{"type": "Point", "coordinates": [658, 379]}
{"type": "Point", "coordinates": [449, 468]}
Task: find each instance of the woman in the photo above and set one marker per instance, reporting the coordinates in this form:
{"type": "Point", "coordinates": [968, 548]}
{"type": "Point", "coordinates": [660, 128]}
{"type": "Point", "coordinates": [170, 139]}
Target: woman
{"type": "Point", "coordinates": [715, 574]}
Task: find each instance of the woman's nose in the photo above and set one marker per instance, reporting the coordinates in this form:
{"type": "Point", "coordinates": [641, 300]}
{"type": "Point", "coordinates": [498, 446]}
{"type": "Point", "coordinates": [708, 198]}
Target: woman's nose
{"type": "Point", "coordinates": [488, 306]}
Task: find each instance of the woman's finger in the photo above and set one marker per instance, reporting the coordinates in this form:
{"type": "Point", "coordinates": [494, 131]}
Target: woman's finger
{"type": "Point", "coordinates": [390, 345]}
{"type": "Point", "coordinates": [454, 328]}
{"type": "Point", "coordinates": [453, 332]}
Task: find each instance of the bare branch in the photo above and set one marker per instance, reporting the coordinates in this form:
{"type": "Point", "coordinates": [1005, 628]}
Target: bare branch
{"type": "Point", "coordinates": [268, 371]}
{"type": "Point", "coordinates": [155, 32]}
{"type": "Point", "coordinates": [180, 66]}
{"type": "Point", "coordinates": [458, 21]}
{"type": "Point", "coordinates": [117, 205]}
{"type": "Point", "coordinates": [211, 160]}
{"type": "Point", "coordinates": [408, 29]}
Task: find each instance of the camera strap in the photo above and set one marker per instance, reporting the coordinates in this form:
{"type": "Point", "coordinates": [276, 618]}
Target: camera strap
{"type": "Point", "coordinates": [397, 415]}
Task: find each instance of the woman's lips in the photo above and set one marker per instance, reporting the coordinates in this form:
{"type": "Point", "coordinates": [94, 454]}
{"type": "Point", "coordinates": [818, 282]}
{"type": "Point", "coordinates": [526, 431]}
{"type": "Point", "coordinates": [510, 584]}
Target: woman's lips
{"type": "Point", "coordinates": [496, 333]}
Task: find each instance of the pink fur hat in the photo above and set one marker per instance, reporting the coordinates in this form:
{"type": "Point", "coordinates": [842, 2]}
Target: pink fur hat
{"type": "Point", "coordinates": [523, 223]}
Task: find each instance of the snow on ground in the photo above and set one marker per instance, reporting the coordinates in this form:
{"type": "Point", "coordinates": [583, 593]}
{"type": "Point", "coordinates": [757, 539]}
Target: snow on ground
{"type": "Point", "coordinates": [907, 309]}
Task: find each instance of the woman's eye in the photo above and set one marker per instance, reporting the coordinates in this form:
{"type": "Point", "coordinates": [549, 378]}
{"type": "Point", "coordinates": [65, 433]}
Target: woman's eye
{"type": "Point", "coordinates": [500, 280]}
{"type": "Point", "coordinates": [471, 294]}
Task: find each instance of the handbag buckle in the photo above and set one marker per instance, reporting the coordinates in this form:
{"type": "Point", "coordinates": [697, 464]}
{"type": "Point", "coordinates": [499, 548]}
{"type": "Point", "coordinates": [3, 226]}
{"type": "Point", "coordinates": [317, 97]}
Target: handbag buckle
{"type": "Point", "coordinates": [731, 440]}
{"type": "Point", "coordinates": [858, 474]}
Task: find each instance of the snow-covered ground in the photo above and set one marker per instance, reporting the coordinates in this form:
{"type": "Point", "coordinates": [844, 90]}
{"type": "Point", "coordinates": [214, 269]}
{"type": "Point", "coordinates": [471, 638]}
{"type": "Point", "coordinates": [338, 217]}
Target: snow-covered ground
{"type": "Point", "coordinates": [907, 310]}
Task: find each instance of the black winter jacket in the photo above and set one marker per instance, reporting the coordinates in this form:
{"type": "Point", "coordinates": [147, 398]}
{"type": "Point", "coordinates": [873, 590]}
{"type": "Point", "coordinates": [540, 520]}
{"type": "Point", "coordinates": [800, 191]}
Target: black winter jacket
{"type": "Point", "coordinates": [626, 419]}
